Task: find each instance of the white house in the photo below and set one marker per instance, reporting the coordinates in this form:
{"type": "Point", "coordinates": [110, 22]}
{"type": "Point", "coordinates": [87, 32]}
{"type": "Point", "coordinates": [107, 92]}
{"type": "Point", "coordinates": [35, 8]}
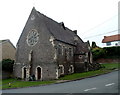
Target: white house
{"type": "Point", "coordinates": [113, 40]}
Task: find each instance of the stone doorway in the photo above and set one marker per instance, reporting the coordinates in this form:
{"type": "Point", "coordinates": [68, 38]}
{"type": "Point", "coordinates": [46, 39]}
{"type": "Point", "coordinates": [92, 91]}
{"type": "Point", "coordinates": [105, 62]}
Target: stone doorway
{"type": "Point", "coordinates": [38, 73]}
{"type": "Point", "coordinates": [24, 73]}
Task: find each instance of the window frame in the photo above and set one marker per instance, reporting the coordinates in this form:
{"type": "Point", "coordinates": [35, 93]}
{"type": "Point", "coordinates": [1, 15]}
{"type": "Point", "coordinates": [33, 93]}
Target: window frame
{"type": "Point", "coordinates": [108, 43]}
{"type": "Point", "coordinates": [61, 67]}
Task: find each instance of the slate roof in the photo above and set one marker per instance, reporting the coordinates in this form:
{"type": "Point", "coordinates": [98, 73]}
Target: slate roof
{"type": "Point", "coordinates": [111, 38]}
{"type": "Point", "coordinates": [64, 34]}
{"type": "Point", "coordinates": [82, 48]}
{"type": "Point", "coordinates": [58, 30]}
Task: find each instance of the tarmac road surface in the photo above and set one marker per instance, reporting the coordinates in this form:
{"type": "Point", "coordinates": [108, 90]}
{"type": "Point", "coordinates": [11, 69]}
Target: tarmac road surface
{"type": "Point", "coordinates": [107, 83]}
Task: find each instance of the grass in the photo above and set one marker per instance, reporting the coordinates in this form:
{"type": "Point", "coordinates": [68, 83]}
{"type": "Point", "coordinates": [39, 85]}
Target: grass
{"type": "Point", "coordinates": [19, 83]}
{"type": "Point", "coordinates": [110, 66]}
{"type": "Point", "coordinates": [6, 81]}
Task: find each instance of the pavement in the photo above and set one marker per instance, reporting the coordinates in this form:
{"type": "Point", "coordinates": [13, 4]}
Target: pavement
{"type": "Point", "coordinates": [107, 83]}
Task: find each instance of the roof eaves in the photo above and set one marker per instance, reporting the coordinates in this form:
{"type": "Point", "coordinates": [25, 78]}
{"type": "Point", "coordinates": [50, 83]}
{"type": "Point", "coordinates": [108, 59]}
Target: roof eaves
{"type": "Point", "coordinates": [109, 41]}
{"type": "Point", "coordinates": [65, 42]}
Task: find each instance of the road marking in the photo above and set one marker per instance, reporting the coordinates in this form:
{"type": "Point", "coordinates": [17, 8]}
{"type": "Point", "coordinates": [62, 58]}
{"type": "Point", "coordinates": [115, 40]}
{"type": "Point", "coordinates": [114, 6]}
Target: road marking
{"type": "Point", "coordinates": [69, 94]}
{"type": "Point", "coordinates": [90, 89]}
{"type": "Point", "coordinates": [109, 84]}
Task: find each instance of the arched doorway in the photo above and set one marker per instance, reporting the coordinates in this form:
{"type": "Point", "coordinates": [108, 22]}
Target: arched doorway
{"type": "Point", "coordinates": [24, 72]}
{"type": "Point", "coordinates": [39, 73]}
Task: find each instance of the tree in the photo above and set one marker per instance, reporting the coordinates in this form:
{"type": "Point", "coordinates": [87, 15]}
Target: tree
{"type": "Point", "coordinates": [98, 53]}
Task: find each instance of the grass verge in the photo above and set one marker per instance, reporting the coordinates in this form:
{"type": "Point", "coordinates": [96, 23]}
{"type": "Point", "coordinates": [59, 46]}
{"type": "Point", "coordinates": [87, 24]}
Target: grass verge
{"type": "Point", "coordinates": [108, 67]}
{"type": "Point", "coordinates": [21, 84]}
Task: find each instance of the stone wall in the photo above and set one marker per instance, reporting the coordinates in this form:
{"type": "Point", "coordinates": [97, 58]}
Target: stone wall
{"type": "Point", "coordinates": [65, 55]}
{"type": "Point", "coordinates": [43, 52]}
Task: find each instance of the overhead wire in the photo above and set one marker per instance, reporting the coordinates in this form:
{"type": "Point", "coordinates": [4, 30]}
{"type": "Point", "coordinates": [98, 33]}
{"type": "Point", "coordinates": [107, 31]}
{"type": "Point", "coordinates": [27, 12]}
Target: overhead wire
{"type": "Point", "coordinates": [100, 24]}
{"type": "Point", "coordinates": [101, 34]}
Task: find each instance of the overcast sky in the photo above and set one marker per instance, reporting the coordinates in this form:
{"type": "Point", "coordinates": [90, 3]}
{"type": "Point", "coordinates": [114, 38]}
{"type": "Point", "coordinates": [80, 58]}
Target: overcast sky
{"type": "Point", "coordinates": [93, 19]}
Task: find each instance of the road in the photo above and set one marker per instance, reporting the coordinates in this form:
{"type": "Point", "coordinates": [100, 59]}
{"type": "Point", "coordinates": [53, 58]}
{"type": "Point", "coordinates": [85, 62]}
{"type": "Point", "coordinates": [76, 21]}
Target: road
{"type": "Point", "coordinates": [107, 83]}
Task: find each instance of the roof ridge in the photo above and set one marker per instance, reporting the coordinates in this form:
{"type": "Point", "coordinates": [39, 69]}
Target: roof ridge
{"type": "Point", "coordinates": [113, 35]}
{"type": "Point", "coordinates": [59, 23]}
{"type": "Point", "coordinates": [111, 38]}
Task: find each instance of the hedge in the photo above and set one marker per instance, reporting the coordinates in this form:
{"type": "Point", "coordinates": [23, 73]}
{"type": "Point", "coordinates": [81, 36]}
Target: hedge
{"type": "Point", "coordinates": [106, 52]}
{"type": "Point", "coordinates": [7, 65]}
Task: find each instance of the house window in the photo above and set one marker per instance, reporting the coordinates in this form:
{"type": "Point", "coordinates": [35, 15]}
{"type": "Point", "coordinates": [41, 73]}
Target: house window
{"type": "Point", "coordinates": [61, 69]}
{"type": "Point", "coordinates": [65, 53]}
{"type": "Point", "coordinates": [80, 56]}
{"type": "Point", "coordinates": [116, 44]}
{"type": "Point", "coordinates": [71, 69]}
{"type": "Point", "coordinates": [108, 44]}
{"type": "Point", "coordinates": [70, 51]}
{"type": "Point", "coordinates": [59, 49]}
{"type": "Point", "coordinates": [62, 50]}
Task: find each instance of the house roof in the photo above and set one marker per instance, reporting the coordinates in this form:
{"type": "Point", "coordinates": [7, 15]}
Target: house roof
{"type": "Point", "coordinates": [64, 34]}
{"type": "Point", "coordinates": [82, 48]}
{"type": "Point", "coordinates": [6, 40]}
{"type": "Point", "coordinates": [58, 30]}
{"type": "Point", "coordinates": [111, 38]}
{"type": "Point", "coordinates": [2, 41]}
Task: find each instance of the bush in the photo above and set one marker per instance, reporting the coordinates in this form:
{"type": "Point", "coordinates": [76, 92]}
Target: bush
{"type": "Point", "coordinates": [7, 65]}
{"type": "Point", "coordinates": [106, 52]}
{"type": "Point", "coordinates": [98, 53]}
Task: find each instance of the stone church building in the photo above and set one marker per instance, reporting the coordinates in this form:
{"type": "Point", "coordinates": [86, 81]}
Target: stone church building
{"type": "Point", "coordinates": [47, 50]}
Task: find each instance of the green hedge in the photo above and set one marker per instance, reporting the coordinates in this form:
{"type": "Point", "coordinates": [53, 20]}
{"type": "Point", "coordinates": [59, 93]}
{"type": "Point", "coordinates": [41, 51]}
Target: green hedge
{"type": "Point", "coordinates": [112, 51]}
{"type": "Point", "coordinates": [106, 52]}
{"type": "Point", "coordinates": [7, 65]}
